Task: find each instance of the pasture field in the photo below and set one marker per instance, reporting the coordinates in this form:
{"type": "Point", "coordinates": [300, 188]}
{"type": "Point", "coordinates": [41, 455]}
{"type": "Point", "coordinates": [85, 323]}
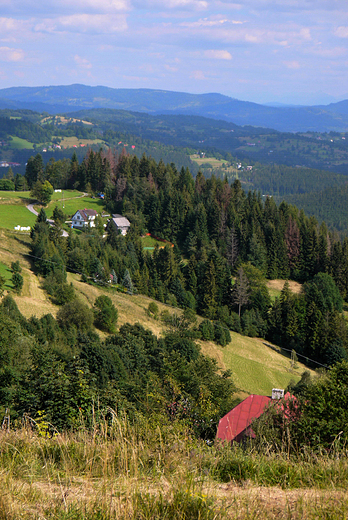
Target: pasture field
{"type": "Point", "coordinates": [12, 215]}
{"type": "Point", "coordinates": [275, 287]}
{"type": "Point", "coordinates": [20, 144]}
{"type": "Point", "coordinates": [7, 197]}
{"type": "Point", "coordinates": [256, 365]}
{"type": "Point", "coordinates": [216, 163]}
{"type": "Point", "coordinates": [71, 205]}
{"type": "Point", "coordinates": [150, 243]}
{"type": "Point", "coordinates": [69, 142]}
{"type": "Point", "coordinates": [152, 471]}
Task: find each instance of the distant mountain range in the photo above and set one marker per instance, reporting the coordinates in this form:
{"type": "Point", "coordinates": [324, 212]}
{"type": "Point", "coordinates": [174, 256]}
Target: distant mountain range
{"type": "Point", "coordinates": [69, 98]}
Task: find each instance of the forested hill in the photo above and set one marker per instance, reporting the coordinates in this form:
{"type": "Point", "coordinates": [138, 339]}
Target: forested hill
{"type": "Point", "coordinates": [56, 99]}
{"type": "Point", "coordinates": [329, 205]}
{"type": "Point", "coordinates": [218, 233]}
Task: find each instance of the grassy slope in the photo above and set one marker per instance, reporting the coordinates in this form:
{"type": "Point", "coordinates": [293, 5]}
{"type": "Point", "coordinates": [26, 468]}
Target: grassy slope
{"type": "Point", "coordinates": [256, 367]}
{"type": "Point", "coordinates": [20, 144]}
{"type": "Point", "coordinates": [13, 211]}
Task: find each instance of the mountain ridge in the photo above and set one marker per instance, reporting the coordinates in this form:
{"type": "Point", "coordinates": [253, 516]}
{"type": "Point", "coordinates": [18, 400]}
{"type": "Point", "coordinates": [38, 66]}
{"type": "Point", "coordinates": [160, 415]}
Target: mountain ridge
{"type": "Point", "coordinates": [68, 98]}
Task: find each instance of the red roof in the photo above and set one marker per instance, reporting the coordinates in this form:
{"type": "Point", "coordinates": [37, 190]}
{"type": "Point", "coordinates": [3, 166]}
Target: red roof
{"type": "Point", "coordinates": [237, 422]}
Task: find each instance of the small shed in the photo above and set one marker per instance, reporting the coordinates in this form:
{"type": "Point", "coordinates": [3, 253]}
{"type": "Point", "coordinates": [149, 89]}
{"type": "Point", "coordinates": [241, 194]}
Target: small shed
{"type": "Point", "coordinates": [121, 223]}
{"type": "Point", "coordinates": [236, 424]}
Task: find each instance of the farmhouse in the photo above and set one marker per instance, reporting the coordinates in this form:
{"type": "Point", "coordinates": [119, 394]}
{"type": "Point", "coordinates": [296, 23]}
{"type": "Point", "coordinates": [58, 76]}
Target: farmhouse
{"type": "Point", "coordinates": [236, 424]}
{"type": "Point", "coordinates": [83, 218]}
{"type": "Point", "coordinates": [122, 224]}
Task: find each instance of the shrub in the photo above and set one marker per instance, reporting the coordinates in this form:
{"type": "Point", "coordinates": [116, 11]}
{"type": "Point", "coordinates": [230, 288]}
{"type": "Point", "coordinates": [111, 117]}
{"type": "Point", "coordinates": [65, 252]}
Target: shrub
{"type": "Point", "coordinates": [206, 329]}
{"type": "Point", "coordinates": [105, 314]}
{"type": "Point", "coordinates": [222, 335]}
{"type": "Point", "coordinates": [75, 314]}
{"type": "Point", "coordinates": [152, 310]}
{"type": "Point", "coordinates": [17, 282]}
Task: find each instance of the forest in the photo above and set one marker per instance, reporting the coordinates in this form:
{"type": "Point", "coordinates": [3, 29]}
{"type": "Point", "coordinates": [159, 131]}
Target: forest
{"type": "Point", "coordinates": [226, 243]}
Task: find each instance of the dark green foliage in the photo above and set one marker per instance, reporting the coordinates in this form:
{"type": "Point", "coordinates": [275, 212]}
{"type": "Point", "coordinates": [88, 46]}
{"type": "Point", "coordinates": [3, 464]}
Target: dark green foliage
{"type": "Point", "coordinates": [152, 310]}
{"type": "Point", "coordinates": [217, 234]}
{"type": "Point", "coordinates": [76, 314]}
{"type": "Point", "coordinates": [17, 281]}
{"type": "Point", "coordinates": [206, 328]}
{"type": "Point", "coordinates": [15, 266]}
{"type": "Point", "coordinates": [59, 216]}
{"type": "Point", "coordinates": [42, 191]}
{"type": "Point", "coordinates": [34, 170]}
{"type": "Point", "coordinates": [7, 185]}
{"type": "Point", "coordinates": [127, 282]}
{"type": "Point", "coordinates": [105, 314]}
{"type": "Point", "coordinates": [222, 335]}
{"type": "Point", "coordinates": [57, 288]}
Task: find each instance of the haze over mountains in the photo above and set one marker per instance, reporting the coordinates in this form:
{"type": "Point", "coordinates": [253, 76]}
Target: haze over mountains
{"type": "Point", "coordinates": [69, 98]}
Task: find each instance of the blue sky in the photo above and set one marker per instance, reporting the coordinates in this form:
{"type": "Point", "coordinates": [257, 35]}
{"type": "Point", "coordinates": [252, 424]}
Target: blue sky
{"type": "Point", "coordinates": [291, 51]}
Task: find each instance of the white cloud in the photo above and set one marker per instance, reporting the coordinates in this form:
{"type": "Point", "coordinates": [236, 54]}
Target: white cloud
{"type": "Point", "coordinates": [342, 32]}
{"type": "Point", "coordinates": [171, 69]}
{"type": "Point", "coordinates": [8, 54]}
{"type": "Point", "coordinates": [218, 55]}
{"type": "Point", "coordinates": [205, 22]}
{"type": "Point", "coordinates": [85, 23]}
{"type": "Point", "coordinates": [82, 62]}
{"type": "Point", "coordinates": [162, 5]}
{"type": "Point", "coordinates": [197, 74]}
{"type": "Point", "coordinates": [335, 52]}
{"type": "Point", "coordinates": [64, 6]}
{"type": "Point", "coordinates": [292, 64]}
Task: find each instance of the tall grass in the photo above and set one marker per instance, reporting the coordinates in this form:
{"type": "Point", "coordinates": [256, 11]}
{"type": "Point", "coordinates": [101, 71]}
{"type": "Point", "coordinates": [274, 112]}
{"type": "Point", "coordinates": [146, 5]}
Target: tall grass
{"type": "Point", "coordinates": [157, 470]}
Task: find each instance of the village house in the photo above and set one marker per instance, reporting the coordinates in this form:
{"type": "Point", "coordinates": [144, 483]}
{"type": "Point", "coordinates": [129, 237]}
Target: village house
{"type": "Point", "coordinates": [83, 218]}
{"type": "Point", "coordinates": [121, 223]}
{"type": "Point", "coordinates": [237, 424]}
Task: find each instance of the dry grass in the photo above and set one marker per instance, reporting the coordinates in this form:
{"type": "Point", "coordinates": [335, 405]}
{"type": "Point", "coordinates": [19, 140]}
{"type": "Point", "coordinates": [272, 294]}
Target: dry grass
{"type": "Point", "coordinates": [131, 309]}
{"type": "Point", "coordinates": [275, 286]}
{"type": "Point", "coordinates": [154, 474]}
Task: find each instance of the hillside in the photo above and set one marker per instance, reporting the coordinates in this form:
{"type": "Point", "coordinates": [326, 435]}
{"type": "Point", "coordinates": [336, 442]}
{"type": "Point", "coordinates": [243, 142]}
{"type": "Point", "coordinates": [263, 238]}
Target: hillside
{"type": "Point", "coordinates": [55, 99]}
{"type": "Point", "coordinates": [256, 366]}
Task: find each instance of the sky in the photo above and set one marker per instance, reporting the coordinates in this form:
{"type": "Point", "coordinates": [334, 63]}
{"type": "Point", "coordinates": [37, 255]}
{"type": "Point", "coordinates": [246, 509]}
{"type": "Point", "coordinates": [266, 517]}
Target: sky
{"type": "Point", "coordinates": [282, 51]}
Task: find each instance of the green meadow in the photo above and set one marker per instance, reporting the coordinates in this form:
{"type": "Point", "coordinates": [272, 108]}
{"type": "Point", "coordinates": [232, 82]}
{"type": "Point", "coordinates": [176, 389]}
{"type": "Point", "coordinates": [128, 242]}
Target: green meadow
{"type": "Point", "coordinates": [13, 215]}
{"type": "Point", "coordinates": [20, 144]}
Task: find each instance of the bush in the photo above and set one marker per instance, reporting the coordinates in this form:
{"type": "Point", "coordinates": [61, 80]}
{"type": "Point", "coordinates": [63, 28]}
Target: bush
{"type": "Point", "coordinates": [152, 310]}
{"type": "Point", "coordinates": [206, 329]}
{"type": "Point", "coordinates": [16, 268]}
{"type": "Point", "coordinates": [75, 314]}
{"type": "Point", "coordinates": [105, 314]}
{"type": "Point", "coordinates": [222, 335]}
{"type": "Point", "coordinates": [17, 282]}
{"type": "Point", "coordinates": [7, 185]}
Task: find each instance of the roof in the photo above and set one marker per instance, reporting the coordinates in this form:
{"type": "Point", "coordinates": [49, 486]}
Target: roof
{"type": "Point", "coordinates": [120, 221]}
{"type": "Point", "coordinates": [233, 424]}
{"type": "Point", "coordinates": [86, 213]}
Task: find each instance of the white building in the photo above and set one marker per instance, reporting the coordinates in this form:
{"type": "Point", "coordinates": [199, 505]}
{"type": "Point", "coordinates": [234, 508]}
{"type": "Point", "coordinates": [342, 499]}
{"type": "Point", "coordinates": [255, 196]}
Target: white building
{"type": "Point", "coordinates": [121, 223]}
{"type": "Point", "coordinates": [83, 218]}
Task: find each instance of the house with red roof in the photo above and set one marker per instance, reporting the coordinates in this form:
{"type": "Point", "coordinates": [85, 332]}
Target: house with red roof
{"type": "Point", "coordinates": [236, 424]}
